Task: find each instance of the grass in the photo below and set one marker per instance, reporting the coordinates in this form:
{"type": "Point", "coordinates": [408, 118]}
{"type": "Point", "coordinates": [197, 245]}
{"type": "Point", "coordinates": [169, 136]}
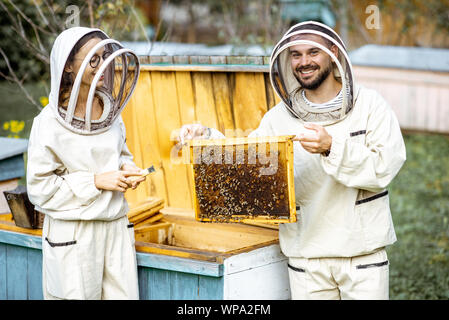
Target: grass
{"type": "Point", "coordinates": [16, 113]}
{"type": "Point", "coordinates": [419, 195]}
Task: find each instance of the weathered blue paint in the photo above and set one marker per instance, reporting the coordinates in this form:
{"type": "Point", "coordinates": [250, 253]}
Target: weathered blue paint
{"type": "Point", "coordinates": [157, 284]}
{"type": "Point", "coordinates": [34, 273]}
{"type": "Point", "coordinates": [11, 158]}
{"type": "Point", "coordinates": [158, 261]}
{"type": "Point", "coordinates": [16, 273]}
{"type": "Point", "coordinates": [3, 271]}
{"type": "Point", "coordinates": [160, 277]}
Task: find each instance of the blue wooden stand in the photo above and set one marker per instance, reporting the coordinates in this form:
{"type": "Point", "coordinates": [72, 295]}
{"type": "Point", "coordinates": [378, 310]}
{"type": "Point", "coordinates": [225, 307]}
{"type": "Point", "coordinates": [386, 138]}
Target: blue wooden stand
{"type": "Point", "coordinates": [160, 277]}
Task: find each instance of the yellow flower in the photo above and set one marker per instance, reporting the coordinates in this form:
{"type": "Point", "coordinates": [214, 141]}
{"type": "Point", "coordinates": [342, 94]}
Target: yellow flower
{"type": "Point", "coordinates": [5, 125]}
{"type": "Point", "coordinates": [16, 126]}
{"type": "Point", "coordinates": [43, 100]}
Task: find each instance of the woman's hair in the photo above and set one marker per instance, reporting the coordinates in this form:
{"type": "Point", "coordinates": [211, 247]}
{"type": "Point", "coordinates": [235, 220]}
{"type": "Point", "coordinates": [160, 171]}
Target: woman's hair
{"type": "Point", "coordinates": [67, 78]}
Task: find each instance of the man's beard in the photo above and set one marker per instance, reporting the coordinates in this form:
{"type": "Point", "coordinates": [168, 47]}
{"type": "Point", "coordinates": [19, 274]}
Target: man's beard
{"type": "Point", "coordinates": [318, 80]}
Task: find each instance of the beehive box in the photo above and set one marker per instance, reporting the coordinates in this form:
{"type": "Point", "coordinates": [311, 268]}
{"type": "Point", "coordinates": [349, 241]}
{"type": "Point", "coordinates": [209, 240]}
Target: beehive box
{"type": "Point", "coordinates": [243, 179]}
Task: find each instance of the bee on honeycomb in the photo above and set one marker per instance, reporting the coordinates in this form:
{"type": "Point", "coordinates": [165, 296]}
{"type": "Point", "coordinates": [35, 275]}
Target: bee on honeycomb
{"type": "Point", "coordinates": [237, 181]}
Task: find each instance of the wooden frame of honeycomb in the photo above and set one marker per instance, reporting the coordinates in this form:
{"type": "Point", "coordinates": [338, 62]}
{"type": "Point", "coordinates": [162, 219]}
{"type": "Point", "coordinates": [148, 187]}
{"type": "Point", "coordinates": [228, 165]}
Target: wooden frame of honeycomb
{"type": "Point", "coordinates": [243, 179]}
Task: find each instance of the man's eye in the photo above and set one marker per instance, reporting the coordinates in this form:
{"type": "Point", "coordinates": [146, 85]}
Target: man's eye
{"type": "Point", "coordinates": [314, 52]}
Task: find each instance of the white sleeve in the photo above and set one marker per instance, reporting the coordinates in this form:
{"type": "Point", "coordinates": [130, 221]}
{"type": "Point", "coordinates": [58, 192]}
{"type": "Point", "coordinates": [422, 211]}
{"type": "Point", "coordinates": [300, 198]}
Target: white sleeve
{"type": "Point", "coordinates": [48, 190]}
{"type": "Point", "coordinates": [373, 165]}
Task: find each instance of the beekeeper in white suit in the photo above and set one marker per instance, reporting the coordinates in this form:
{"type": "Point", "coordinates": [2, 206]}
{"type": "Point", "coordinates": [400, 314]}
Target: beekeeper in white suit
{"type": "Point", "coordinates": [348, 149]}
{"type": "Point", "coordinates": [79, 167]}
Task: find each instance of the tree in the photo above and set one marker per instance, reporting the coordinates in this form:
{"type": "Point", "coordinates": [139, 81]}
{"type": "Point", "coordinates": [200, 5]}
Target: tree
{"type": "Point", "coordinates": [29, 28]}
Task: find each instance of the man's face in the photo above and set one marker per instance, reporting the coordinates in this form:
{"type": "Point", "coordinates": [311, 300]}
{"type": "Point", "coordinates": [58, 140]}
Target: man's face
{"type": "Point", "coordinates": [310, 65]}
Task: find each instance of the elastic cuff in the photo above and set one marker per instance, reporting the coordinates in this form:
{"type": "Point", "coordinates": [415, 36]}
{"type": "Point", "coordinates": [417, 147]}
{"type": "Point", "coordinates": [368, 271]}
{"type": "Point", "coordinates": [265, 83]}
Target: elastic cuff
{"type": "Point", "coordinates": [335, 151]}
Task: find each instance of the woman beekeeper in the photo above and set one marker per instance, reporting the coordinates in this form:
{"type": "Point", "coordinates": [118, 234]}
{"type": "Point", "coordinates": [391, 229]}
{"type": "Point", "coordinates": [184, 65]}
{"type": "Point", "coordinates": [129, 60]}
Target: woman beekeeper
{"type": "Point", "coordinates": [79, 167]}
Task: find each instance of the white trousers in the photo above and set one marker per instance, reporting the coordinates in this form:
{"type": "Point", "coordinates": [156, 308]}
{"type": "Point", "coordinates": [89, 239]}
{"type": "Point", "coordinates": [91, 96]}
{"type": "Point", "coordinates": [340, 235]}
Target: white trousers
{"type": "Point", "coordinates": [361, 277]}
{"type": "Point", "coordinates": [89, 259]}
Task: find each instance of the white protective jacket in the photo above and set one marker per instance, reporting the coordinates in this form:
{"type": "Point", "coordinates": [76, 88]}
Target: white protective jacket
{"type": "Point", "coordinates": [344, 205]}
{"type": "Point", "coordinates": [64, 154]}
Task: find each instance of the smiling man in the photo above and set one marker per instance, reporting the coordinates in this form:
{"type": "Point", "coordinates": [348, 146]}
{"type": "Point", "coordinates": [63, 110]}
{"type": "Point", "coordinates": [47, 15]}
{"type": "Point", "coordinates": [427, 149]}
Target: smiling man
{"type": "Point", "coordinates": [348, 148]}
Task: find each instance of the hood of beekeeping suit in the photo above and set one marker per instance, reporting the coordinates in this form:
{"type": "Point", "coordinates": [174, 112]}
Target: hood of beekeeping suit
{"type": "Point", "coordinates": [288, 88]}
{"type": "Point", "coordinates": [118, 72]}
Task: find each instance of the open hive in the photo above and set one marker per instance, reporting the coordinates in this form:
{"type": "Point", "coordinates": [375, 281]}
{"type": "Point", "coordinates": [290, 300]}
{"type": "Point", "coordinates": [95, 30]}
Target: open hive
{"type": "Point", "coordinates": [243, 179]}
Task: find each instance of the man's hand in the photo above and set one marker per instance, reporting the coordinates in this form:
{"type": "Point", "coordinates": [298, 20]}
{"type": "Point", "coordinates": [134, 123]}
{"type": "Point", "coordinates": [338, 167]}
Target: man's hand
{"type": "Point", "coordinates": [115, 180]}
{"type": "Point", "coordinates": [319, 142]}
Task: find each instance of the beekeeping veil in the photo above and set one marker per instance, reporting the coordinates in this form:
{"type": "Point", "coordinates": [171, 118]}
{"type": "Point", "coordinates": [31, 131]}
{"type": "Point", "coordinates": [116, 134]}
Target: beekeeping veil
{"type": "Point", "coordinates": [288, 88]}
{"type": "Point", "coordinates": [120, 70]}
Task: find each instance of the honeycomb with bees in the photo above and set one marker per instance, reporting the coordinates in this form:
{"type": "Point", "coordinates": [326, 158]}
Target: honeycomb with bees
{"type": "Point", "coordinates": [241, 179]}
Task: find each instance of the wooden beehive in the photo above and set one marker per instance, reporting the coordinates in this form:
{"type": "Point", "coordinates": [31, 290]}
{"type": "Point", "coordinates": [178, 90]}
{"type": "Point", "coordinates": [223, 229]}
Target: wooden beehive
{"type": "Point", "coordinates": [243, 179]}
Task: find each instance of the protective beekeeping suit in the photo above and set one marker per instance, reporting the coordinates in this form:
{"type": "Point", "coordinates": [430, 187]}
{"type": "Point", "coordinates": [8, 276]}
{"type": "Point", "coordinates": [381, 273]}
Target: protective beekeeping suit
{"type": "Point", "coordinates": [87, 240]}
{"type": "Point", "coordinates": [336, 249]}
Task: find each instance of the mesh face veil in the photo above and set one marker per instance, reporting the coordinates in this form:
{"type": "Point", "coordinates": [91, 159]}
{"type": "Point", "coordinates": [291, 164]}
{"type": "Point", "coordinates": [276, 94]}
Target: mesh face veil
{"type": "Point", "coordinates": [113, 71]}
{"type": "Point", "coordinates": [287, 86]}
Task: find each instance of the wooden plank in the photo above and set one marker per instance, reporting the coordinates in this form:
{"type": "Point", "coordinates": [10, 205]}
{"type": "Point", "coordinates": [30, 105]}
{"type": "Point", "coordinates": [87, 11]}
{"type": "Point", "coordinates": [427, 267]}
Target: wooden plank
{"type": "Point", "coordinates": [186, 102]}
{"type": "Point", "coordinates": [188, 253]}
{"type": "Point", "coordinates": [148, 204]}
{"type": "Point", "coordinates": [184, 212]}
{"type": "Point", "coordinates": [142, 274]}
{"type": "Point", "coordinates": [210, 288]}
{"type": "Point", "coordinates": [183, 286]}
{"type": "Point", "coordinates": [147, 217]}
{"type": "Point", "coordinates": [151, 219]}
{"type": "Point", "coordinates": [11, 226]}
{"type": "Point", "coordinates": [223, 103]}
{"type": "Point", "coordinates": [269, 92]}
{"type": "Point", "coordinates": [131, 141]}
{"type": "Point", "coordinates": [167, 110]}
{"type": "Point", "coordinates": [34, 273]}
{"type": "Point", "coordinates": [152, 226]}
{"type": "Point", "coordinates": [206, 68]}
{"type": "Point", "coordinates": [19, 237]}
{"type": "Point", "coordinates": [249, 101]}
{"type": "Point", "coordinates": [194, 266]}
{"type": "Point", "coordinates": [141, 192]}
{"type": "Point", "coordinates": [186, 98]}
{"type": "Point", "coordinates": [3, 273]}
{"type": "Point", "coordinates": [6, 217]}
{"type": "Point", "coordinates": [148, 131]}
{"type": "Point", "coordinates": [218, 237]}
{"type": "Point", "coordinates": [205, 112]}
{"type": "Point", "coordinates": [16, 271]}
{"type": "Point", "coordinates": [159, 284]}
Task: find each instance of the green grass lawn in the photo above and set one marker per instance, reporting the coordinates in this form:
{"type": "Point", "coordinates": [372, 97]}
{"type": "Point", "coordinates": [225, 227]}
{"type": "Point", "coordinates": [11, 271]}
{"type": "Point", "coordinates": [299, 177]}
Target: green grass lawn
{"type": "Point", "coordinates": [419, 195]}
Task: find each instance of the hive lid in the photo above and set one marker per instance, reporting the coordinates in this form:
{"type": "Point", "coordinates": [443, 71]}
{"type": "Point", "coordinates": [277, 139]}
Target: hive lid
{"type": "Point", "coordinates": [10, 147]}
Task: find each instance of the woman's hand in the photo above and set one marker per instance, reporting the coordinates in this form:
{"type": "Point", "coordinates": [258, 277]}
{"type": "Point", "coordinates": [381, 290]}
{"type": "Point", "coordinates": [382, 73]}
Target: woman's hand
{"type": "Point", "coordinates": [135, 181]}
{"type": "Point", "coordinates": [115, 180]}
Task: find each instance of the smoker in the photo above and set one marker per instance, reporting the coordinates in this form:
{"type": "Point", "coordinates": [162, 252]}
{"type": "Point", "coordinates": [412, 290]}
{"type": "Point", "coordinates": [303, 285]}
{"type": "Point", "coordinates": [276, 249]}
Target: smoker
{"type": "Point", "coordinates": [23, 212]}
